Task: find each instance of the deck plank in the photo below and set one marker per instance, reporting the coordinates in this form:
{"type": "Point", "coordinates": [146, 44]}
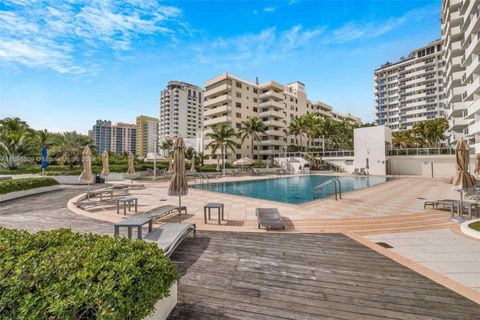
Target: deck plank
{"type": "Point", "coordinates": [303, 276]}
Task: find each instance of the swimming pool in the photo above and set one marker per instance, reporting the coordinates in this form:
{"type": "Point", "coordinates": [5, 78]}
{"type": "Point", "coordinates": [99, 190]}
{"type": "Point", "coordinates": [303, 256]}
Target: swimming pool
{"type": "Point", "coordinates": [293, 190]}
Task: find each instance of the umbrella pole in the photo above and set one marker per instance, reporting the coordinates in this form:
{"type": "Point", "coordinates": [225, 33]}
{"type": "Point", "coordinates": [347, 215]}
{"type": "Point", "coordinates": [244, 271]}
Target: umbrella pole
{"type": "Point", "coordinates": [179, 208]}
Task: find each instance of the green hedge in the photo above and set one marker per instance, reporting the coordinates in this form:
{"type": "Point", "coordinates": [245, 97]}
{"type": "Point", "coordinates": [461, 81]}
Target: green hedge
{"type": "Point", "coordinates": [65, 275]}
{"type": "Point", "coordinates": [55, 170]}
{"type": "Point", "coordinates": [12, 185]}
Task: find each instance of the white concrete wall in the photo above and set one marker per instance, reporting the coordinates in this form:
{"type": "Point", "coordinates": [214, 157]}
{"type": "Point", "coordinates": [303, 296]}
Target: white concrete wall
{"type": "Point", "coordinates": [371, 143]}
{"type": "Point", "coordinates": [443, 165]}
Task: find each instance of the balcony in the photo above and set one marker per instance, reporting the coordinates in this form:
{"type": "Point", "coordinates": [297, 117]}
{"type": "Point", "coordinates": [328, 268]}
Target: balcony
{"type": "Point", "coordinates": [472, 88]}
{"type": "Point", "coordinates": [272, 103]}
{"type": "Point", "coordinates": [220, 89]}
{"type": "Point", "coordinates": [218, 100]}
{"type": "Point", "coordinates": [272, 142]}
{"type": "Point", "coordinates": [217, 120]}
{"type": "Point", "coordinates": [277, 133]}
{"type": "Point", "coordinates": [272, 113]}
{"type": "Point", "coordinates": [474, 128]}
{"type": "Point", "coordinates": [458, 123]}
{"type": "Point", "coordinates": [266, 151]}
{"type": "Point", "coordinates": [274, 123]}
{"type": "Point", "coordinates": [473, 109]}
{"type": "Point", "coordinates": [272, 94]}
{"type": "Point", "coordinates": [221, 109]}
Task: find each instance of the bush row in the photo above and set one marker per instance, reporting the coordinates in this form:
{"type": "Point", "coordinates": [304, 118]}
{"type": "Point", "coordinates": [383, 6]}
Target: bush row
{"type": "Point", "coordinates": [65, 275]}
{"type": "Point", "coordinates": [12, 185]}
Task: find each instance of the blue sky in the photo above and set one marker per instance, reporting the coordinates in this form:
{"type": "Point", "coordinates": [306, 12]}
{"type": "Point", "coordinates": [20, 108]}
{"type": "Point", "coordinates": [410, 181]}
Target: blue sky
{"type": "Point", "coordinates": [65, 64]}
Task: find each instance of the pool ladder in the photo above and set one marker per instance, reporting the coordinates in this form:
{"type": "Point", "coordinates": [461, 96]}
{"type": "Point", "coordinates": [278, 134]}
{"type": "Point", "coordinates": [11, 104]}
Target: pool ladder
{"type": "Point", "coordinates": [337, 184]}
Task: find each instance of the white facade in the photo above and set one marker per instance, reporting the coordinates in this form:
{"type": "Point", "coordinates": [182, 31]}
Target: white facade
{"type": "Point", "coordinates": [460, 35]}
{"type": "Point", "coordinates": [372, 143]}
{"type": "Point", "coordinates": [410, 90]}
{"type": "Point", "coordinates": [181, 110]}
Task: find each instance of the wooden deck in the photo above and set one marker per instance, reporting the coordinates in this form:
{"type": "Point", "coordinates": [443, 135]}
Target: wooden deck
{"type": "Point", "coordinates": [303, 276]}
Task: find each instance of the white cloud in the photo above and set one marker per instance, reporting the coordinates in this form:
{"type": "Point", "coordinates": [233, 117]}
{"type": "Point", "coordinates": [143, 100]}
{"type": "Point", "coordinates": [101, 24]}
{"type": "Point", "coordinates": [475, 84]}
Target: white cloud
{"type": "Point", "coordinates": [371, 29]}
{"type": "Point", "coordinates": [269, 9]}
{"type": "Point", "coordinates": [292, 2]}
{"type": "Point", "coordinates": [51, 34]}
{"type": "Point", "coordinates": [253, 48]}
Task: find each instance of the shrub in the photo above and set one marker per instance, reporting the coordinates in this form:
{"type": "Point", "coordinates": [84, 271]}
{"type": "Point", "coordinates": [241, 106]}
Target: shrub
{"type": "Point", "coordinates": [65, 275]}
{"type": "Point", "coordinates": [12, 185]}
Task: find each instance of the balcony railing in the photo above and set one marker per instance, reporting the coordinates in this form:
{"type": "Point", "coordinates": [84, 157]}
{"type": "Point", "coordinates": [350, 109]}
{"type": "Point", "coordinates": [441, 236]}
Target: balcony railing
{"type": "Point", "coordinates": [423, 152]}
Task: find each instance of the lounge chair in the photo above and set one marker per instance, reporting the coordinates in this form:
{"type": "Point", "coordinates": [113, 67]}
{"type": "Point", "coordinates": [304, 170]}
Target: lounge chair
{"type": "Point", "coordinates": [93, 202]}
{"type": "Point", "coordinates": [356, 171]}
{"type": "Point", "coordinates": [169, 236]}
{"type": "Point", "coordinates": [163, 211]}
{"type": "Point", "coordinates": [269, 218]}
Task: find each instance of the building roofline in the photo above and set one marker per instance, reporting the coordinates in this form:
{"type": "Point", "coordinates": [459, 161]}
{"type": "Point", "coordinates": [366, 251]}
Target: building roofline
{"type": "Point", "coordinates": [408, 58]}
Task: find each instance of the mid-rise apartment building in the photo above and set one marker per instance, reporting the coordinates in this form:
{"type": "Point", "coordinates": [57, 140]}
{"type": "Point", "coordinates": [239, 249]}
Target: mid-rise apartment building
{"type": "Point", "coordinates": [460, 36]}
{"type": "Point", "coordinates": [124, 138]}
{"type": "Point", "coordinates": [412, 89]}
{"type": "Point", "coordinates": [147, 135]}
{"type": "Point", "coordinates": [325, 111]}
{"type": "Point", "coordinates": [181, 110]}
{"type": "Point", "coordinates": [102, 135]}
{"type": "Point", "coordinates": [118, 138]}
{"type": "Point", "coordinates": [230, 99]}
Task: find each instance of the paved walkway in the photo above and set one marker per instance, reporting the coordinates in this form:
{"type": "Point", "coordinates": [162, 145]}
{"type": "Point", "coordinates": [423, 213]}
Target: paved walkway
{"type": "Point", "coordinates": [49, 211]}
{"type": "Point", "coordinates": [442, 251]}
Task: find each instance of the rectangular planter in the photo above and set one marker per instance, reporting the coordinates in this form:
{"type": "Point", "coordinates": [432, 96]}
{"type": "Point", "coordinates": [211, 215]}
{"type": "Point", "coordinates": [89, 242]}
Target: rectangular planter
{"type": "Point", "coordinates": [24, 193]}
{"type": "Point", "coordinates": [165, 305]}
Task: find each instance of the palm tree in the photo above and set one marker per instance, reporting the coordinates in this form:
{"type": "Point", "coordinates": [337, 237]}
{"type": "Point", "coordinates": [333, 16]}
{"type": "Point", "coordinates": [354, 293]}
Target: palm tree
{"type": "Point", "coordinates": [222, 136]}
{"type": "Point", "coordinates": [294, 129]}
{"type": "Point", "coordinates": [190, 153]}
{"type": "Point", "coordinates": [431, 132]}
{"type": "Point", "coordinates": [167, 146]}
{"type": "Point", "coordinates": [404, 139]}
{"type": "Point", "coordinates": [68, 146]}
{"type": "Point", "coordinates": [16, 137]}
{"type": "Point", "coordinates": [252, 128]}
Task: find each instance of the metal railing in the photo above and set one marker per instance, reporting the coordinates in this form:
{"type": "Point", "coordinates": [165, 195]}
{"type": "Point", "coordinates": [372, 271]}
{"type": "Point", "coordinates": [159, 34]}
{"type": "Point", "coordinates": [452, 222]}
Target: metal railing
{"type": "Point", "coordinates": [337, 188]}
{"type": "Point", "coordinates": [423, 151]}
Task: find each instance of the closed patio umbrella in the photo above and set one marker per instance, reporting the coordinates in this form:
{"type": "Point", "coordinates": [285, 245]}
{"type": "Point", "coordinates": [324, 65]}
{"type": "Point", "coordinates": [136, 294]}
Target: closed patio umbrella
{"type": "Point", "coordinates": [477, 164]}
{"type": "Point", "coordinates": [463, 180]}
{"type": "Point", "coordinates": [86, 174]}
{"type": "Point", "coordinates": [44, 163]}
{"type": "Point", "coordinates": [178, 184]}
{"type": "Point", "coordinates": [105, 166]}
{"type": "Point", "coordinates": [131, 166]}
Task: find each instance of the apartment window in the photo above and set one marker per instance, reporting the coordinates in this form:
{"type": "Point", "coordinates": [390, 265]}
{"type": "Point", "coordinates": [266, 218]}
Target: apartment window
{"type": "Point", "coordinates": [238, 114]}
{"type": "Point", "coordinates": [255, 90]}
{"type": "Point", "coordinates": [238, 94]}
{"type": "Point", "coordinates": [255, 109]}
{"type": "Point", "coordinates": [238, 104]}
{"type": "Point", "coordinates": [238, 126]}
{"type": "Point", "coordinates": [238, 84]}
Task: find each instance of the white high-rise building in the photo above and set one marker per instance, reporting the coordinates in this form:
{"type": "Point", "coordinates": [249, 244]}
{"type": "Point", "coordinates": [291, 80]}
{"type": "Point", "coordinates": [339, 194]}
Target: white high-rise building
{"type": "Point", "coordinates": [181, 111]}
{"type": "Point", "coordinates": [410, 90]}
{"type": "Point", "coordinates": [460, 36]}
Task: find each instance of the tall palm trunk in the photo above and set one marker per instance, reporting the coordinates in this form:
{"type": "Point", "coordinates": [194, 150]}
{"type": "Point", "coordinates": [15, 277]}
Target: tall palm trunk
{"type": "Point", "coordinates": [252, 145]}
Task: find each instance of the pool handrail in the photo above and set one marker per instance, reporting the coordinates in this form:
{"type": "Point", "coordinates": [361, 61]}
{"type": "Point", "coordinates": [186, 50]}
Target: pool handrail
{"type": "Point", "coordinates": [338, 187]}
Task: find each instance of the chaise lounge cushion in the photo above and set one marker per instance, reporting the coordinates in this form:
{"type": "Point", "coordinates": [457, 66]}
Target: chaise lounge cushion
{"type": "Point", "coordinates": [269, 218]}
{"type": "Point", "coordinates": [169, 235]}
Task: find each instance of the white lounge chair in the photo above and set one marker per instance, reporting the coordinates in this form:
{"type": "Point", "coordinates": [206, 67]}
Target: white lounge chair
{"type": "Point", "coordinates": [169, 236]}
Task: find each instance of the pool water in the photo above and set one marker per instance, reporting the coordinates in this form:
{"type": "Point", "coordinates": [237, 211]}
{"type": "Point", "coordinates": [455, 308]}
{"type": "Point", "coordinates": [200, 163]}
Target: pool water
{"type": "Point", "coordinates": [293, 190]}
